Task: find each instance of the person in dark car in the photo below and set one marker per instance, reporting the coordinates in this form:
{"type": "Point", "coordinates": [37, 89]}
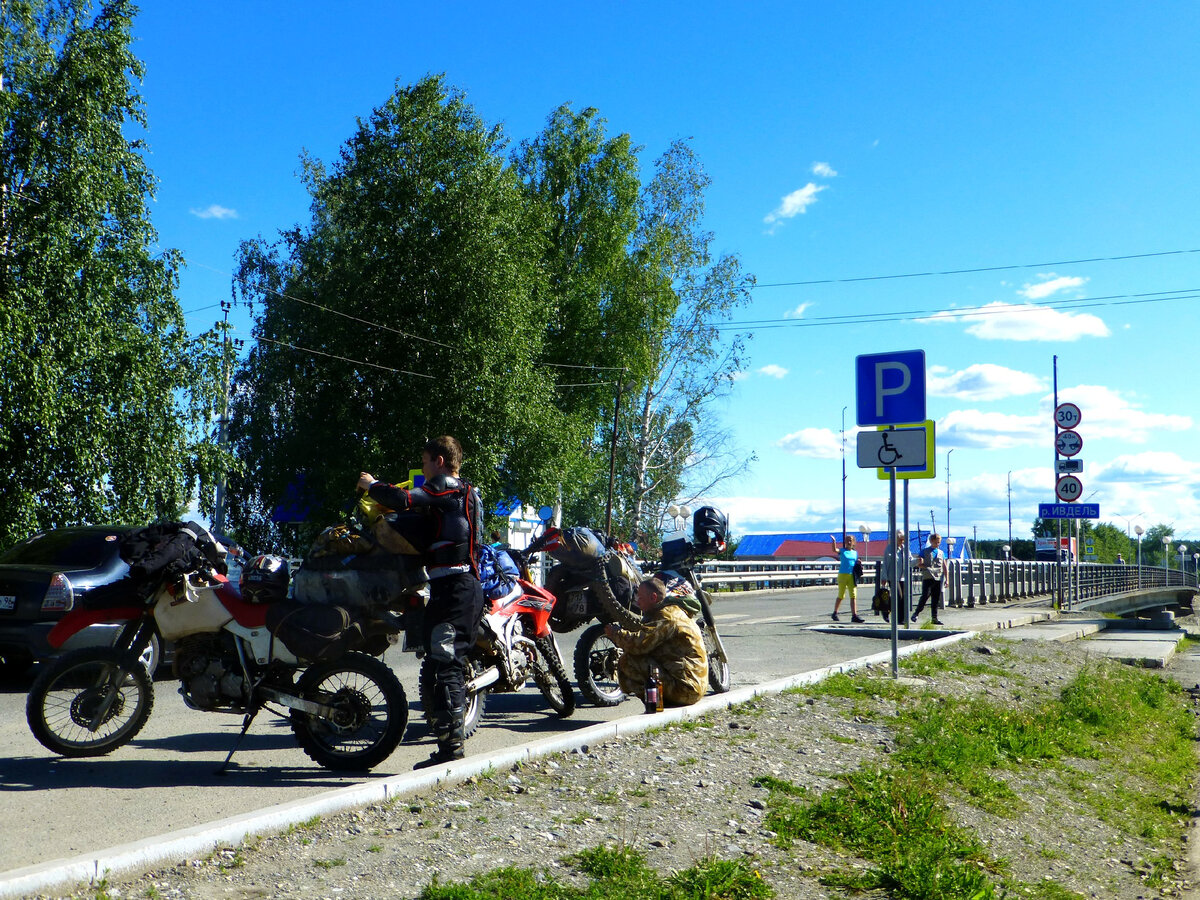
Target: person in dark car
{"type": "Point", "coordinates": [446, 529]}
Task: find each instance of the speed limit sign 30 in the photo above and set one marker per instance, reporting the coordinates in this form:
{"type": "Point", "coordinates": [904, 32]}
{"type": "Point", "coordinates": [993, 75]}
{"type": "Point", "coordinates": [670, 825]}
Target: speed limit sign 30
{"type": "Point", "coordinates": [1069, 488]}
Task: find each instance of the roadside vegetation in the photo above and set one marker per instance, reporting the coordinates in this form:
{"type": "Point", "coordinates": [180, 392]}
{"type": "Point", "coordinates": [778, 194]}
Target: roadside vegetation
{"type": "Point", "coordinates": [1119, 742]}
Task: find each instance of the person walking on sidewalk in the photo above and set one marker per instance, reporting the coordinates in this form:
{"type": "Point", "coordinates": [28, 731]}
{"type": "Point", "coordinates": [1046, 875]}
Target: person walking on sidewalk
{"type": "Point", "coordinates": [932, 563]}
{"type": "Point", "coordinates": [847, 558]}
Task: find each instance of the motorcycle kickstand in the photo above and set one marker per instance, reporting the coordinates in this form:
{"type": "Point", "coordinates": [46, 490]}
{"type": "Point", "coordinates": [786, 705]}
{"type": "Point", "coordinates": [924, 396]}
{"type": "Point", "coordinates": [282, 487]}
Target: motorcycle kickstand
{"type": "Point", "coordinates": [249, 717]}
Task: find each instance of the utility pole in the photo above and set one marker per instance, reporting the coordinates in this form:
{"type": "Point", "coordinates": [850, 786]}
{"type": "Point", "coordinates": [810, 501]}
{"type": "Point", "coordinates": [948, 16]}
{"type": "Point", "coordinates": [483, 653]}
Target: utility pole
{"type": "Point", "coordinates": [222, 430]}
{"type": "Point", "coordinates": [1010, 509]}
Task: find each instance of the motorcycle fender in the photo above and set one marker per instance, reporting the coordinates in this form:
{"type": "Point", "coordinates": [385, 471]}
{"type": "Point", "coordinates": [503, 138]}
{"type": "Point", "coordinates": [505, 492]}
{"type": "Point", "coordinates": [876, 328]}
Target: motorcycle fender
{"type": "Point", "coordinates": [261, 645]}
{"type": "Point", "coordinates": [78, 619]}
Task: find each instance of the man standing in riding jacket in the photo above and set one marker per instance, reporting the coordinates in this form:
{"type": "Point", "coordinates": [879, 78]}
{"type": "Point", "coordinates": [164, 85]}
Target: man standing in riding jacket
{"type": "Point", "coordinates": [447, 528]}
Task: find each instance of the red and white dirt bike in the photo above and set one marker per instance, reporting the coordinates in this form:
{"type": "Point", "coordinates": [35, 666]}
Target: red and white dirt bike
{"type": "Point", "coordinates": [348, 710]}
{"type": "Point", "coordinates": [515, 644]}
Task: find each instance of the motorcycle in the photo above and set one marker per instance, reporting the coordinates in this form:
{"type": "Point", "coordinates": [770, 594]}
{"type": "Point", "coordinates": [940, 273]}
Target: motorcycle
{"type": "Point", "coordinates": [347, 709]}
{"type": "Point", "coordinates": [514, 644]}
{"type": "Point", "coordinates": [596, 656]}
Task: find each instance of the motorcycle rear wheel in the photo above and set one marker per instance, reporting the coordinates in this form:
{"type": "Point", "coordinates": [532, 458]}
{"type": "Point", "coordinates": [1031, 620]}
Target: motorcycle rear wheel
{"type": "Point", "coordinates": [596, 659]}
{"type": "Point", "coordinates": [550, 675]}
{"type": "Point", "coordinates": [476, 703]}
{"type": "Point", "coordinates": [719, 677]}
{"type": "Point", "coordinates": [371, 713]}
{"type": "Point", "coordinates": [89, 702]}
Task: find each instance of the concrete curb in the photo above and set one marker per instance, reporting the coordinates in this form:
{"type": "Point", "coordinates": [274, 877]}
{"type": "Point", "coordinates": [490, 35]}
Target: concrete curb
{"type": "Point", "coordinates": [202, 839]}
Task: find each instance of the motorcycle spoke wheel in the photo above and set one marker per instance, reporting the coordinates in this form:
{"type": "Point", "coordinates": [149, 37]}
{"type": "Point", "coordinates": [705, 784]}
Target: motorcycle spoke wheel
{"type": "Point", "coordinates": [719, 676]}
{"type": "Point", "coordinates": [596, 658]}
{"type": "Point", "coordinates": [474, 708]}
{"type": "Point", "coordinates": [370, 713]}
{"type": "Point", "coordinates": [89, 702]}
{"type": "Point", "coordinates": [550, 675]}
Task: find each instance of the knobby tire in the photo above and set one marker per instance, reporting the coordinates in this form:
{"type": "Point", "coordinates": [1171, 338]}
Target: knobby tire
{"type": "Point", "coordinates": [89, 702]}
{"type": "Point", "coordinates": [373, 712]}
{"type": "Point", "coordinates": [551, 677]}
{"type": "Point", "coordinates": [596, 667]}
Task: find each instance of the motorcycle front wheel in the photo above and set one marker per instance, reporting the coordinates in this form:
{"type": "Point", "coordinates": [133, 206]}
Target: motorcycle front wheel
{"type": "Point", "coordinates": [476, 702]}
{"type": "Point", "coordinates": [370, 713]}
{"type": "Point", "coordinates": [596, 659]}
{"type": "Point", "coordinates": [89, 702]}
{"type": "Point", "coordinates": [550, 675]}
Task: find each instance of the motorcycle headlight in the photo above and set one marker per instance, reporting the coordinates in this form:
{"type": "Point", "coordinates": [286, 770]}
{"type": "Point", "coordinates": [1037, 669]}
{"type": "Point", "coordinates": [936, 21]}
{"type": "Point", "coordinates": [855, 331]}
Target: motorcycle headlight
{"type": "Point", "coordinates": [60, 596]}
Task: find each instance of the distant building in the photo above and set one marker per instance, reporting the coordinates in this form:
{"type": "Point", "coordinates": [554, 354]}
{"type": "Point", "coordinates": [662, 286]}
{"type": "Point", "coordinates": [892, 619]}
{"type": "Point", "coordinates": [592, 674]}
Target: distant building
{"type": "Point", "coordinates": [815, 545]}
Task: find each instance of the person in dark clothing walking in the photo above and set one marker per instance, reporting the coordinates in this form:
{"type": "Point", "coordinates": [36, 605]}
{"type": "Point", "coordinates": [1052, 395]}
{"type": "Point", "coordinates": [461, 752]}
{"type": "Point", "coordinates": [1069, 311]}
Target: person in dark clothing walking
{"type": "Point", "coordinates": [446, 526]}
{"type": "Point", "coordinates": [932, 563]}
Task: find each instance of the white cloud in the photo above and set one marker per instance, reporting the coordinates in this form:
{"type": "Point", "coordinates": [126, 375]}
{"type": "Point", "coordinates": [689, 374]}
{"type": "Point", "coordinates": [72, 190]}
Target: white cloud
{"type": "Point", "coordinates": [994, 431]}
{"type": "Point", "coordinates": [795, 203]}
{"type": "Point", "coordinates": [798, 312]}
{"type": "Point", "coordinates": [1025, 322]}
{"type": "Point", "coordinates": [739, 376]}
{"type": "Point", "coordinates": [982, 381]}
{"type": "Point", "coordinates": [1155, 467]}
{"type": "Point", "coordinates": [1051, 284]}
{"type": "Point", "coordinates": [823, 170]}
{"type": "Point", "coordinates": [815, 443]}
{"type": "Point", "coordinates": [773, 371]}
{"type": "Point", "coordinates": [214, 212]}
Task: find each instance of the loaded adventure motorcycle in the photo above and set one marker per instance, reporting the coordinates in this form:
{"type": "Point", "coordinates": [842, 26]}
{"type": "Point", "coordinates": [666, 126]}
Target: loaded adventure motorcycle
{"type": "Point", "coordinates": [589, 580]}
{"type": "Point", "coordinates": [596, 656]}
{"type": "Point", "coordinates": [233, 654]}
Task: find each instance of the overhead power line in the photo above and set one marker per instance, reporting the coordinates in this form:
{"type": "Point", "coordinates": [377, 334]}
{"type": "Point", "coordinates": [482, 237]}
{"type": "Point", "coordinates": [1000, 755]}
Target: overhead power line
{"type": "Point", "coordinates": [1008, 268]}
{"type": "Point", "coordinates": [357, 362]}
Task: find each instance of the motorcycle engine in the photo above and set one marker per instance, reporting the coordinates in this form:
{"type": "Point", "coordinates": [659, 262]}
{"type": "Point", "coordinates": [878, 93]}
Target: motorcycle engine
{"type": "Point", "coordinates": [209, 673]}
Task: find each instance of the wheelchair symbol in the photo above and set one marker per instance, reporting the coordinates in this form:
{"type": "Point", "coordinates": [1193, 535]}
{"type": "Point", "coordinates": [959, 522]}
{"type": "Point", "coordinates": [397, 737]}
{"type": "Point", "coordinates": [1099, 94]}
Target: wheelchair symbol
{"type": "Point", "coordinates": [888, 455]}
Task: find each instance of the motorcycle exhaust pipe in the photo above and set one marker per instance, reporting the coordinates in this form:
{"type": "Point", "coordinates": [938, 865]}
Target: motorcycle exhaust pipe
{"type": "Point", "coordinates": [483, 679]}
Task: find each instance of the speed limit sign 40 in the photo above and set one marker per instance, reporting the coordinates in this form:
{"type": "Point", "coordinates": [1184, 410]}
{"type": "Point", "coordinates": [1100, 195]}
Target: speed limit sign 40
{"type": "Point", "coordinates": [1069, 488]}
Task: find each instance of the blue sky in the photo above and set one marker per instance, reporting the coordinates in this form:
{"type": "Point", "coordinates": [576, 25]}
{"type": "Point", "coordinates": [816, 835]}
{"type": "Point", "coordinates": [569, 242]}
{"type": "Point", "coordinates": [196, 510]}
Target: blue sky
{"type": "Point", "coordinates": [844, 141]}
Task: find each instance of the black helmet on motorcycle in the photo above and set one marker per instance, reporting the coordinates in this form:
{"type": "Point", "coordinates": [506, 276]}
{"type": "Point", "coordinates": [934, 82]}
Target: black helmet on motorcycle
{"type": "Point", "coordinates": [265, 579]}
{"type": "Point", "coordinates": [710, 529]}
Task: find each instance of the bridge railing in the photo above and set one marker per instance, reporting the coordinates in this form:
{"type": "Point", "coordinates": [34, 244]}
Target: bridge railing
{"type": "Point", "coordinates": [968, 582]}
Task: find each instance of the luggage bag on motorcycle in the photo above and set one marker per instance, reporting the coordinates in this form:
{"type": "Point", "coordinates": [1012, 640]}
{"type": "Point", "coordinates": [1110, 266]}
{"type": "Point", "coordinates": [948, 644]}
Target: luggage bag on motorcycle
{"type": "Point", "coordinates": [578, 548]}
{"type": "Point", "coordinates": [314, 633]}
{"type": "Point", "coordinates": [362, 583]}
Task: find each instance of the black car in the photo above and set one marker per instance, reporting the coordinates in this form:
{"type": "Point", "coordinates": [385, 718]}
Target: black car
{"type": "Point", "coordinates": [44, 577]}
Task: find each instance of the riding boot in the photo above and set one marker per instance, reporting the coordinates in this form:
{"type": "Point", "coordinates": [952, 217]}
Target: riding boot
{"type": "Point", "coordinates": [450, 730]}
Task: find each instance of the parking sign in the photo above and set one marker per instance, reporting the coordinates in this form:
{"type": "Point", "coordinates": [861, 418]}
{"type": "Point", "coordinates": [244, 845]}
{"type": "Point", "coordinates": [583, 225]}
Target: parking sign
{"type": "Point", "coordinates": [890, 387]}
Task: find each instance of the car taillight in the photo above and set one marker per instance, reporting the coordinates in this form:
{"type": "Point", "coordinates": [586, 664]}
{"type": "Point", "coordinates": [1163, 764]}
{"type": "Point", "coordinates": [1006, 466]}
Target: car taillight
{"type": "Point", "coordinates": [60, 597]}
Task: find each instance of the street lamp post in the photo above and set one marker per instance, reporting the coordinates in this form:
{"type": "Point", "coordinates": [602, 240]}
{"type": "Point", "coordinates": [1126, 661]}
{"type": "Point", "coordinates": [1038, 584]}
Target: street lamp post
{"type": "Point", "coordinates": [865, 532]}
{"type": "Point", "coordinates": [949, 540]}
{"type": "Point", "coordinates": [1167, 557]}
{"type": "Point", "coordinates": [1196, 566]}
{"type": "Point", "coordinates": [1182, 551]}
{"type": "Point", "coordinates": [679, 515]}
{"type": "Point", "coordinates": [844, 408]}
{"type": "Point", "coordinates": [1007, 549]}
{"type": "Point", "coordinates": [1139, 531]}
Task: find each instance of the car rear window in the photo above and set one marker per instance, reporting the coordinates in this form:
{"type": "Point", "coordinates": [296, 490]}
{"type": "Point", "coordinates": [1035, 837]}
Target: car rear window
{"type": "Point", "coordinates": [67, 549]}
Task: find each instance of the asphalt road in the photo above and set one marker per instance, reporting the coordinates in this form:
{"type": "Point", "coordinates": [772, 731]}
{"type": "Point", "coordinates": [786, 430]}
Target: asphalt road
{"type": "Point", "coordinates": [165, 778]}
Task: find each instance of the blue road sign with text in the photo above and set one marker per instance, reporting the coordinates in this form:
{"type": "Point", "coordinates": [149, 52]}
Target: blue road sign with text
{"type": "Point", "coordinates": [890, 387]}
{"type": "Point", "coordinates": [1068, 510]}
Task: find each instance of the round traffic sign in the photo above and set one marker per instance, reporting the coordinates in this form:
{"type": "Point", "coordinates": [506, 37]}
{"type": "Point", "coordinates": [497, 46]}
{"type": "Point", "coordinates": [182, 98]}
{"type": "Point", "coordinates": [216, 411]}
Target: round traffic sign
{"type": "Point", "coordinates": [1068, 443]}
{"type": "Point", "coordinates": [1069, 488]}
{"type": "Point", "coordinates": [1067, 415]}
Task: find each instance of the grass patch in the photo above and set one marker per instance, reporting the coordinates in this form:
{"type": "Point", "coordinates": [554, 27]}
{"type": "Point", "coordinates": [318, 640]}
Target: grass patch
{"type": "Point", "coordinates": [613, 874]}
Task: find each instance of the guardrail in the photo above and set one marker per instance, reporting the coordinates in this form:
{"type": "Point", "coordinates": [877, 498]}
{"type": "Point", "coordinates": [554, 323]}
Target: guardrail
{"type": "Point", "coordinates": [968, 582]}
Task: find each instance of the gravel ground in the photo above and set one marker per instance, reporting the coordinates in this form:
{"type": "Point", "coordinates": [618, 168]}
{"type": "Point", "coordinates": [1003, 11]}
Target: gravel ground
{"type": "Point", "coordinates": [679, 795]}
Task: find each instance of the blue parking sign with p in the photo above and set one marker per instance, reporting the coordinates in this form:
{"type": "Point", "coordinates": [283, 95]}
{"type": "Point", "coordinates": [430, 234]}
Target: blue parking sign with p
{"type": "Point", "coordinates": [890, 387]}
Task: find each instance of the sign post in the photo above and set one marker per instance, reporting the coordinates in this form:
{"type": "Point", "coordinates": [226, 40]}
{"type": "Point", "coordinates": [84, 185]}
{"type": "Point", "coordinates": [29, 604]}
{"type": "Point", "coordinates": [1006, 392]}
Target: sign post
{"type": "Point", "coordinates": [890, 390]}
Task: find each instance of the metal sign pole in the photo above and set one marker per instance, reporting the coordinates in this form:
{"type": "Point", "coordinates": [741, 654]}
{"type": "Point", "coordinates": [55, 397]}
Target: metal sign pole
{"type": "Point", "coordinates": [893, 582]}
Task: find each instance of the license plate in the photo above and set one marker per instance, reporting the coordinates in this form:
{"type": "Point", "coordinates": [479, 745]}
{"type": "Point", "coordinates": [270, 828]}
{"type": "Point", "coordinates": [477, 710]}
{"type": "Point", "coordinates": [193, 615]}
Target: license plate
{"type": "Point", "coordinates": [7, 602]}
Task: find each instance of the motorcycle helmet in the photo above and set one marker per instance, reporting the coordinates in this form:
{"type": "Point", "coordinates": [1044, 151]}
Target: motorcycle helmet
{"type": "Point", "coordinates": [265, 579]}
{"type": "Point", "coordinates": [710, 529]}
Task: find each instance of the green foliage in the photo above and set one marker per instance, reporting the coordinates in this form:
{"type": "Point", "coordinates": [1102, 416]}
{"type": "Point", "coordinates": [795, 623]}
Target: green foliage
{"type": "Point", "coordinates": [421, 227]}
{"type": "Point", "coordinates": [614, 874]}
{"type": "Point", "coordinates": [103, 395]}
